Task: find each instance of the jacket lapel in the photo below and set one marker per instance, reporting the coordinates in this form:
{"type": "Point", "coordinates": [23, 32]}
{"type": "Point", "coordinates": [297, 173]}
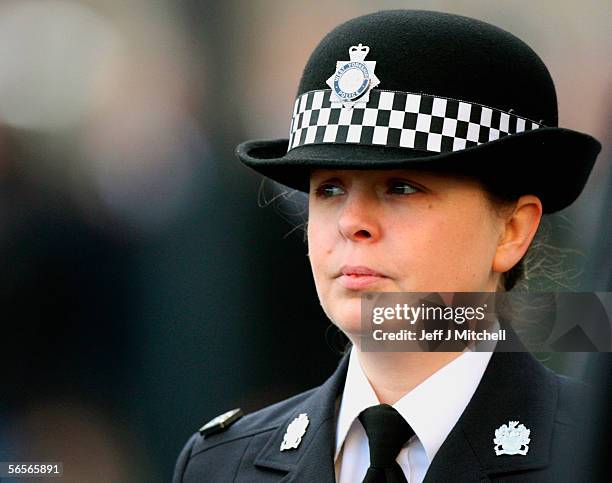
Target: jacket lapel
{"type": "Point", "coordinates": [313, 459]}
{"type": "Point", "coordinates": [456, 461]}
{"type": "Point", "coordinates": [514, 387]}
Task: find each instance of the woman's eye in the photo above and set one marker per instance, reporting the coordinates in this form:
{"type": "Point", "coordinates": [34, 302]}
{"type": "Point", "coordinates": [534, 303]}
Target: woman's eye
{"type": "Point", "coordinates": [329, 190]}
{"type": "Point", "coordinates": [402, 188]}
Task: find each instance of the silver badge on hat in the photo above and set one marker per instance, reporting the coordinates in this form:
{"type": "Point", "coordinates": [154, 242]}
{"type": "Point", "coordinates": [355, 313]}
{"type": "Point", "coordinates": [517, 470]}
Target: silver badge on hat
{"type": "Point", "coordinates": [294, 433]}
{"type": "Point", "coordinates": [512, 438]}
{"type": "Point", "coordinates": [354, 79]}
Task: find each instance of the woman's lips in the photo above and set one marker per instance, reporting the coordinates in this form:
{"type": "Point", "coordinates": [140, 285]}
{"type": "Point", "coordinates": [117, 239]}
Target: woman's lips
{"type": "Point", "coordinates": [355, 277]}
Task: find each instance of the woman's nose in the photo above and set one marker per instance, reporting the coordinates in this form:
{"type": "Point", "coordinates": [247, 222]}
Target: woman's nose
{"type": "Point", "coordinates": [358, 219]}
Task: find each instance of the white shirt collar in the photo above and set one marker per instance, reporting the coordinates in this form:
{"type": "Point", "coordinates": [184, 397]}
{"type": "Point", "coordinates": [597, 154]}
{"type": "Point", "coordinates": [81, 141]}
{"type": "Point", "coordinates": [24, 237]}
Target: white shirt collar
{"type": "Point", "coordinates": [432, 408]}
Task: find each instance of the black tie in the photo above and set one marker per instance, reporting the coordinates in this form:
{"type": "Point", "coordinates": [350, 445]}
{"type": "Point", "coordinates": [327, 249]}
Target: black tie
{"type": "Point", "coordinates": [387, 432]}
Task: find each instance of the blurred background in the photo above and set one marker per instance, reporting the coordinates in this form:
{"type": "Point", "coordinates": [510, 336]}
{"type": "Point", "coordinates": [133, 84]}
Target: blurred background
{"type": "Point", "coordinates": [147, 280]}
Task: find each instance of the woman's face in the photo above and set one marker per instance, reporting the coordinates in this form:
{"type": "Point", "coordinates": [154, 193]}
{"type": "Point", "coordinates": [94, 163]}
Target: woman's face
{"type": "Point", "coordinates": [397, 231]}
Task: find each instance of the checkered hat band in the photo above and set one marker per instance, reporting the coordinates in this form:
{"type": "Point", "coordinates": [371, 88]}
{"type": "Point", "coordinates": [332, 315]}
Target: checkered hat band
{"type": "Point", "coordinates": [401, 119]}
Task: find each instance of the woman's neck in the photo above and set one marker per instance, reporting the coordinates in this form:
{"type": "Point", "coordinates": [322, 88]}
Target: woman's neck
{"type": "Point", "coordinates": [394, 374]}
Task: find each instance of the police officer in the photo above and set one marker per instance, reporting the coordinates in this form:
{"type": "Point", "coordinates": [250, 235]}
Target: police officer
{"type": "Point", "coordinates": [429, 146]}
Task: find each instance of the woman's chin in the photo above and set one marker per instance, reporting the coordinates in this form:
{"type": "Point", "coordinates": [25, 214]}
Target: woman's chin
{"type": "Point", "coordinates": [348, 321]}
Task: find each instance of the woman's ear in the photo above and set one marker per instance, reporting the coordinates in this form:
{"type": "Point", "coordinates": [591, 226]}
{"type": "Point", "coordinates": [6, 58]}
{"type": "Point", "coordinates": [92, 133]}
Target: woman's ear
{"type": "Point", "coordinates": [518, 230]}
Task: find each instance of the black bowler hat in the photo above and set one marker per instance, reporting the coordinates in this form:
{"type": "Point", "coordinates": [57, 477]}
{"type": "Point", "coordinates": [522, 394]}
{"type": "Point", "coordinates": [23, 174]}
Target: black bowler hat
{"type": "Point", "coordinates": [429, 90]}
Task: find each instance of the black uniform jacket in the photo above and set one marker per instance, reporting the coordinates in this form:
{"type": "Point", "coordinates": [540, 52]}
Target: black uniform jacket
{"type": "Point", "coordinates": [514, 387]}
